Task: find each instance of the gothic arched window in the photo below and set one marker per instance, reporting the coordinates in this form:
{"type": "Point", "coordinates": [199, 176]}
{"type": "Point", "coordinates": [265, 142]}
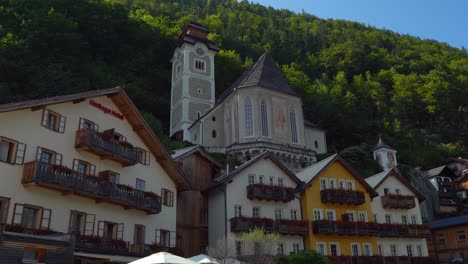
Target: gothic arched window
{"type": "Point", "coordinates": [248, 117]}
{"type": "Point", "coordinates": [292, 123]}
{"type": "Point", "coordinates": [264, 116]}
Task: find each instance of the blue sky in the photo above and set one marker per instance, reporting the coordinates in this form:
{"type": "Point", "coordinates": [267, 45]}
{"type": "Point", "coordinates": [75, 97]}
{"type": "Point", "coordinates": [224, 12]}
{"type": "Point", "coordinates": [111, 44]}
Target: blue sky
{"type": "Point", "coordinates": [441, 20]}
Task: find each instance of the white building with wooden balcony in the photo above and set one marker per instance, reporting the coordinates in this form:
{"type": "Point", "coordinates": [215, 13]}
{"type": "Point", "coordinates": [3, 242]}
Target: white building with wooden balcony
{"type": "Point", "coordinates": [86, 165]}
{"type": "Point", "coordinates": [396, 209]}
{"type": "Point", "coordinates": [258, 194]}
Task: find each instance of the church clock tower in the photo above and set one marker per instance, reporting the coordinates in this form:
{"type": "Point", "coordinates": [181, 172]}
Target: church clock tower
{"type": "Point", "coordinates": [193, 83]}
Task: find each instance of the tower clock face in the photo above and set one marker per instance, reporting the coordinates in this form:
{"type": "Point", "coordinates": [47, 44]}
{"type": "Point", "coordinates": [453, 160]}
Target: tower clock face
{"type": "Point", "coordinates": [200, 52]}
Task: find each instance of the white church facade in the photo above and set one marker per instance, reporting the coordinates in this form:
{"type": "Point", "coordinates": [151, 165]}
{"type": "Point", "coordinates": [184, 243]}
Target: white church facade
{"type": "Point", "coordinates": [259, 112]}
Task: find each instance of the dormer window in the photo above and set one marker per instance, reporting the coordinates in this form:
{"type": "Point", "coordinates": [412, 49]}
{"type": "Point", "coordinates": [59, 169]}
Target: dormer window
{"type": "Point", "coordinates": [200, 65]}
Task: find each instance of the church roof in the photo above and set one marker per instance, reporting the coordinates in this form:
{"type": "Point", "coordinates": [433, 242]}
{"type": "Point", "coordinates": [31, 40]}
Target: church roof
{"type": "Point", "coordinates": [263, 73]}
{"type": "Point", "coordinates": [381, 144]}
{"type": "Point", "coordinates": [194, 33]}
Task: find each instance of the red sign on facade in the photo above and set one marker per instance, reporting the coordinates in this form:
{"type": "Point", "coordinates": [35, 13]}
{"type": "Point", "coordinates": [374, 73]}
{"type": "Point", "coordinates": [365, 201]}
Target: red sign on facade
{"type": "Point", "coordinates": [106, 110]}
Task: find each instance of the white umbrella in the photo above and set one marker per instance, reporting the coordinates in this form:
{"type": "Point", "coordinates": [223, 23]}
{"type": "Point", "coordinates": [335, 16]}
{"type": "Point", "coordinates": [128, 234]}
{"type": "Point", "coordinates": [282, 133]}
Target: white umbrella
{"type": "Point", "coordinates": [163, 257]}
{"type": "Point", "coordinates": [202, 258]}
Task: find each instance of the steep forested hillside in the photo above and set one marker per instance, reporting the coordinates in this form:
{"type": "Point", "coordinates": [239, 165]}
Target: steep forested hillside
{"type": "Point", "coordinates": [356, 81]}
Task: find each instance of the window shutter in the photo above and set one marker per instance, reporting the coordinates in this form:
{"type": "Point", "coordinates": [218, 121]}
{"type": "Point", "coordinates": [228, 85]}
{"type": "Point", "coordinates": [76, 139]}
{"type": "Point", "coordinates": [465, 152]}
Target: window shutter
{"type": "Point", "coordinates": [58, 159]}
{"type": "Point", "coordinates": [81, 125]}
{"type": "Point", "coordinates": [20, 152]}
{"type": "Point", "coordinates": [17, 214]}
{"type": "Point", "coordinates": [172, 239]}
{"type": "Point", "coordinates": [61, 128]}
{"type": "Point", "coordinates": [158, 236]}
{"type": "Point", "coordinates": [92, 170]}
{"type": "Point", "coordinates": [45, 117]}
{"type": "Point", "coordinates": [75, 165]}
{"type": "Point", "coordinates": [89, 224]}
{"type": "Point", "coordinates": [100, 231]}
{"type": "Point", "coordinates": [140, 155]}
{"type": "Point", "coordinates": [96, 127]}
{"type": "Point", "coordinates": [171, 198]}
{"type": "Point", "coordinates": [4, 210]}
{"type": "Point", "coordinates": [147, 158]}
{"type": "Point", "coordinates": [120, 231]}
{"type": "Point", "coordinates": [45, 219]}
{"type": "Point", "coordinates": [38, 153]}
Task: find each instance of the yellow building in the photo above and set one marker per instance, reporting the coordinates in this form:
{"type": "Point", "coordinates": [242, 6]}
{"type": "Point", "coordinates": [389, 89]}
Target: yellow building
{"type": "Point", "coordinates": [337, 201]}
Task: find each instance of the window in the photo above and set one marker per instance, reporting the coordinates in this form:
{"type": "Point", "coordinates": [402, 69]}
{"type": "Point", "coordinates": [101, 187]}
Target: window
{"type": "Point", "coordinates": [296, 247]}
{"type": "Point", "coordinates": [87, 124]}
{"type": "Point", "coordinates": [143, 156]}
{"type": "Point", "coordinates": [414, 220]}
{"type": "Point", "coordinates": [4, 205]}
{"type": "Point", "coordinates": [248, 117]}
{"type": "Point", "coordinates": [292, 120]}
{"type": "Point", "coordinates": [114, 178]}
{"type": "Point", "coordinates": [139, 235]}
{"type": "Point", "coordinates": [397, 191]}
{"type": "Point", "coordinates": [334, 249]}
{"type": "Point", "coordinates": [200, 65]}
{"type": "Point", "coordinates": [53, 121]}
{"type": "Point", "coordinates": [48, 156]}
{"type": "Point", "coordinates": [441, 239]}
{"type": "Point", "coordinates": [331, 215]}
{"type": "Point", "coordinates": [280, 249]}
{"type": "Point", "coordinates": [351, 215]}
{"type": "Point", "coordinates": [409, 250]}
{"type": "Point", "coordinates": [256, 212]}
{"type": "Point", "coordinates": [213, 133]}
{"type": "Point", "coordinates": [264, 116]}
{"type": "Point", "coordinates": [110, 230]}
{"type": "Point", "coordinates": [272, 181]}
{"type": "Point", "coordinates": [165, 238]}
{"type": "Point", "coordinates": [323, 183]}
{"type": "Point", "coordinates": [461, 236]}
{"type": "Point", "coordinates": [251, 179]}
{"type": "Point", "coordinates": [404, 219]}
{"type": "Point", "coordinates": [293, 214]}
{"type": "Point", "coordinates": [213, 118]}
{"type": "Point", "coordinates": [388, 219]}
{"type": "Point", "coordinates": [393, 250]}
{"type": "Point", "coordinates": [317, 214]}
{"type": "Point", "coordinates": [140, 185]}
{"type": "Point", "coordinates": [322, 248]}
{"type": "Point", "coordinates": [238, 248]}
{"type": "Point", "coordinates": [342, 184]}
{"type": "Point", "coordinates": [355, 249]}
{"type": "Point", "coordinates": [332, 183]}
{"type": "Point", "coordinates": [260, 179]}
{"type": "Point", "coordinates": [84, 167]}
{"type": "Point", "coordinates": [280, 182]}
{"type": "Point", "coordinates": [419, 250]}
{"type": "Point", "coordinates": [81, 223]}
{"type": "Point", "coordinates": [199, 91]}
{"type": "Point", "coordinates": [237, 210]}
{"type": "Point", "coordinates": [350, 185]}
{"type": "Point", "coordinates": [278, 214]}
{"type": "Point", "coordinates": [362, 216]}
{"type": "Point", "coordinates": [367, 249]}
{"type": "Point", "coordinates": [167, 197]}
{"type": "Point", "coordinates": [380, 249]}
{"type": "Point", "coordinates": [11, 151]}
{"type": "Point", "coordinates": [31, 216]}
{"type": "Point", "coordinates": [178, 69]}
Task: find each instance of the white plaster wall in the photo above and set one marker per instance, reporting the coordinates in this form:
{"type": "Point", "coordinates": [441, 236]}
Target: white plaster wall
{"type": "Point", "coordinates": [312, 135]}
{"type": "Point", "coordinates": [236, 194]}
{"type": "Point", "coordinates": [216, 218]}
{"type": "Point", "coordinates": [25, 127]}
{"type": "Point", "coordinates": [392, 183]}
{"type": "Point", "coordinates": [401, 244]}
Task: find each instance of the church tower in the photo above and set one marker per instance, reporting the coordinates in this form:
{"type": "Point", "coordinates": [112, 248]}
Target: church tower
{"type": "Point", "coordinates": [193, 82]}
{"type": "Point", "coordinates": [385, 155]}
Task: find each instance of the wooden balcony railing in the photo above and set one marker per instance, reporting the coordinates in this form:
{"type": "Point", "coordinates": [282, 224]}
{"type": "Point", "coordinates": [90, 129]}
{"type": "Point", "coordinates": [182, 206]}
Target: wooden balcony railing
{"type": "Point", "coordinates": [17, 228]}
{"type": "Point", "coordinates": [342, 196]}
{"type": "Point", "coordinates": [287, 227]}
{"type": "Point", "coordinates": [106, 147]}
{"type": "Point", "coordinates": [291, 227]}
{"type": "Point", "coordinates": [148, 249]}
{"type": "Point", "coordinates": [369, 229]}
{"type": "Point", "coordinates": [68, 181]}
{"type": "Point", "coordinates": [270, 193]}
{"type": "Point", "coordinates": [100, 245]}
{"type": "Point", "coordinates": [395, 201]}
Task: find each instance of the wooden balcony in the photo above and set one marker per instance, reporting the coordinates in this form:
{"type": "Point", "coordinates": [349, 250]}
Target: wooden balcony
{"type": "Point", "coordinates": [342, 196]}
{"type": "Point", "coordinates": [106, 147]}
{"type": "Point", "coordinates": [94, 244]}
{"type": "Point", "coordinates": [245, 224]}
{"type": "Point", "coordinates": [402, 230]}
{"type": "Point", "coordinates": [394, 201]}
{"type": "Point", "coordinates": [345, 228]}
{"type": "Point", "coordinates": [148, 249]}
{"type": "Point", "coordinates": [270, 193]}
{"type": "Point", "coordinates": [291, 227]}
{"type": "Point", "coordinates": [67, 181]}
{"type": "Point", "coordinates": [17, 228]}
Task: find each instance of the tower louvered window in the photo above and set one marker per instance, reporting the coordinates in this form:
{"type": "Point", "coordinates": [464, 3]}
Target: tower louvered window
{"type": "Point", "coordinates": [248, 118]}
{"type": "Point", "coordinates": [292, 120]}
{"type": "Point", "coordinates": [264, 116]}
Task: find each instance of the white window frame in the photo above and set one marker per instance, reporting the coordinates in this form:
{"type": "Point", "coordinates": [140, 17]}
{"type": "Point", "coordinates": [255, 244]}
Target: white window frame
{"type": "Point", "coordinates": [320, 212]}
{"type": "Point", "coordinates": [280, 181]}
{"type": "Point", "coordinates": [369, 247]}
{"type": "Point", "coordinates": [380, 249]}
{"type": "Point", "coordinates": [363, 213]}
{"type": "Point", "coordinates": [323, 183]}
{"type": "Point", "coordinates": [296, 247]}
{"type": "Point", "coordinates": [278, 213]}
{"type": "Point", "coordinates": [393, 250]}
{"type": "Point", "coordinates": [264, 117]}
{"type": "Point", "coordinates": [404, 219]}
{"type": "Point", "coordinates": [248, 111]}
{"type": "Point", "coordinates": [333, 212]}
{"type": "Point", "coordinates": [414, 219]}
{"type": "Point", "coordinates": [342, 184]}
{"type": "Point", "coordinates": [338, 250]}
{"type": "Point", "coordinates": [280, 248]}
{"type": "Point", "coordinates": [321, 245]}
{"type": "Point", "coordinates": [353, 214]}
{"type": "Point", "coordinates": [259, 211]}
{"type": "Point", "coordinates": [419, 250]}
{"type": "Point", "coordinates": [332, 184]}
{"type": "Point", "coordinates": [358, 249]}
{"type": "Point", "coordinates": [353, 185]}
{"type": "Point", "coordinates": [388, 216]}
{"type": "Point", "coordinates": [409, 250]}
{"type": "Point", "coordinates": [237, 210]}
{"type": "Point", "coordinates": [202, 63]}
{"type": "Point", "coordinates": [294, 214]}
{"type": "Point", "coordinates": [251, 178]}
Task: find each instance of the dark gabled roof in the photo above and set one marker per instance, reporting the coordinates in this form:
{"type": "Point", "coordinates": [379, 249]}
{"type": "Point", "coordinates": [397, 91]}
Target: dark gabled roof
{"type": "Point", "coordinates": [448, 222]}
{"type": "Point", "coordinates": [265, 155]}
{"type": "Point", "coordinates": [263, 73]}
{"type": "Point", "coordinates": [309, 174]}
{"type": "Point", "coordinates": [182, 153]}
{"type": "Point", "coordinates": [120, 98]}
{"type": "Point", "coordinates": [376, 180]}
{"type": "Point", "coordinates": [381, 144]}
{"type": "Point", "coordinates": [434, 172]}
{"type": "Point", "coordinates": [194, 33]}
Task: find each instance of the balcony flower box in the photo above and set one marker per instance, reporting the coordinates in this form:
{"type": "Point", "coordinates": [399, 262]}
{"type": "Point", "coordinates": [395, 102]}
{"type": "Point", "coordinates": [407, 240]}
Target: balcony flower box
{"type": "Point", "coordinates": [17, 228]}
{"type": "Point", "coordinates": [151, 195]}
{"type": "Point", "coordinates": [91, 239]}
{"type": "Point", "coordinates": [117, 243]}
